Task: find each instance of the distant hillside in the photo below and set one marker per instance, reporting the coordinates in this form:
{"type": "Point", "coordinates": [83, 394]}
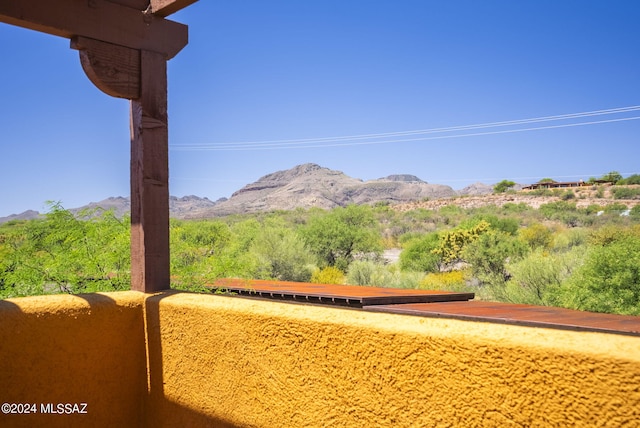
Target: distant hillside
{"type": "Point", "coordinates": [178, 207]}
{"type": "Point", "coordinates": [27, 215]}
{"type": "Point", "coordinates": [311, 185]}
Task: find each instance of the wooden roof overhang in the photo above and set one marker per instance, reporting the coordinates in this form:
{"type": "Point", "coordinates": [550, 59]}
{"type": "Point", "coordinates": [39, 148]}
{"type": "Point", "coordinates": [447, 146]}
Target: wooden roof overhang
{"type": "Point", "coordinates": [124, 46]}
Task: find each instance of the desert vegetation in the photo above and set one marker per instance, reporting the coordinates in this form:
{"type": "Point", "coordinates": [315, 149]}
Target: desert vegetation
{"type": "Point", "coordinates": [558, 254]}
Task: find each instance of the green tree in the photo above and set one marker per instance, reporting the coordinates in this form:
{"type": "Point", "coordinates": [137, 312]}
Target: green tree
{"type": "Point", "coordinates": [612, 177]}
{"type": "Point", "coordinates": [609, 279]}
{"type": "Point", "coordinates": [62, 253]}
{"type": "Point", "coordinates": [338, 236]}
{"type": "Point", "coordinates": [282, 254]}
{"type": "Point", "coordinates": [632, 179]}
{"type": "Point", "coordinates": [195, 245]}
{"type": "Point", "coordinates": [235, 259]}
{"type": "Point", "coordinates": [489, 252]}
{"type": "Point", "coordinates": [417, 254]}
{"type": "Point", "coordinates": [503, 186]}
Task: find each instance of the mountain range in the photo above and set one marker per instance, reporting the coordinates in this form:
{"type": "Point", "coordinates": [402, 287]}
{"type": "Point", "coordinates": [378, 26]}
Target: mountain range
{"type": "Point", "coordinates": [303, 186]}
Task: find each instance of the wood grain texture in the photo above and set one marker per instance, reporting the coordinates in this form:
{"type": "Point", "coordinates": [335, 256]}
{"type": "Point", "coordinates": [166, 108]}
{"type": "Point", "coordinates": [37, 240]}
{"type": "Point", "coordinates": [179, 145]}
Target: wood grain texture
{"type": "Point", "coordinates": [100, 20]}
{"type": "Point", "coordinates": [167, 7]}
{"type": "Point", "coordinates": [115, 70]}
{"type": "Point", "coordinates": [150, 178]}
{"type": "Point", "coordinates": [134, 4]}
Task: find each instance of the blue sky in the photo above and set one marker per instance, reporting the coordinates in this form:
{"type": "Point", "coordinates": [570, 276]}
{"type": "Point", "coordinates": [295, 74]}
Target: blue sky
{"type": "Point", "coordinates": [265, 72]}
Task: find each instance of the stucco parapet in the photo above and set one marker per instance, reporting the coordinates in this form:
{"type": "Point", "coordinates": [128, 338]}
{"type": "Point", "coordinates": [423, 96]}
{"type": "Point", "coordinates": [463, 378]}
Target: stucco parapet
{"type": "Point", "coordinates": [595, 344]}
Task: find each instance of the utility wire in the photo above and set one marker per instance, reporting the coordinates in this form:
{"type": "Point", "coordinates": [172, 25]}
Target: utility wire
{"type": "Point", "coordinates": [350, 141]}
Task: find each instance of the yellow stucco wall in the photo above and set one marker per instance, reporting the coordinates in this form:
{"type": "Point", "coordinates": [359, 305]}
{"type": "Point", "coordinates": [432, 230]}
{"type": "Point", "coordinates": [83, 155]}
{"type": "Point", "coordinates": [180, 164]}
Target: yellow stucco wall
{"type": "Point", "coordinates": [269, 364]}
{"type": "Point", "coordinates": [221, 361]}
{"type": "Point", "coordinates": [72, 350]}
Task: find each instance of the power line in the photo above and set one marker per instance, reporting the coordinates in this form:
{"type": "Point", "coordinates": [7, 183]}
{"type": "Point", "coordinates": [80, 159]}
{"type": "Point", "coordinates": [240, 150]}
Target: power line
{"type": "Point", "coordinates": [448, 129]}
{"type": "Point", "coordinates": [374, 138]}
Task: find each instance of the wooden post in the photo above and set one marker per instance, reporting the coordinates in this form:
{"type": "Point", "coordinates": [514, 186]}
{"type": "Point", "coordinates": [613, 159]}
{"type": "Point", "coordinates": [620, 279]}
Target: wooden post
{"type": "Point", "coordinates": [150, 178]}
{"type": "Point", "coordinates": [124, 48]}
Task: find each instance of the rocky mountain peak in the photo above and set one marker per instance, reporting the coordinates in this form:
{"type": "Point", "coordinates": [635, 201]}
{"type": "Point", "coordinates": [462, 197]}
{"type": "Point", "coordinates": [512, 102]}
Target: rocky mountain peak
{"type": "Point", "coordinates": [310, 185]}
{"type": "Point", "coordinates": [405, 178]}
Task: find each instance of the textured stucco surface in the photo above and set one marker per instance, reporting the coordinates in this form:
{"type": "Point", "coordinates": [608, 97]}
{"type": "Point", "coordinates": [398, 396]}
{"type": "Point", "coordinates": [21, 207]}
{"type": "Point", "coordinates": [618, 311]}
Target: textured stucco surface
{"type": "Point", "coordinates": [267, 364]}
{"type": "Point", "coordinates": [221, 361]}
{"type": "Point", "coordinates": [74, 349]}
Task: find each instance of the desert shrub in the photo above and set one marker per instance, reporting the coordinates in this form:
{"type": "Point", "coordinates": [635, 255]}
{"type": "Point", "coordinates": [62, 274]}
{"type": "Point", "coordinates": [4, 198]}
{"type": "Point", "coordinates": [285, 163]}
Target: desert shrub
{"type": "Point", "coordinates": [328, 275]}
{"type": "Point", "coordinates": [537, 278]}
{"type": "Point", "coordinates": [541, 192]}
{"type": "Point", "coordinates": [568, 195]}
{"type": "Point", "coordinates": [450, 215]}
{"type": "Point", "coordinates": [488, 255]}
{"type": "Point", "coordinates": [608, 280]}
{"type": "Point", "coordinates": [194, 241]}
{"type": "Point", "coordinates": [632, 179]}
{"type": "Point", "coordinates": [400, 279]}
{"type": "Point", "coordinates": [374, 274]}
{"type": "Point", "coordinates": [282, 255]}
{"type": "Point", "coordinates": [610, 233]}
{"type": "Point", "coordinates": [417, 254]}
{"type": "Point", "coordinates": [615, 208]}
{"type": "Point", "coordinates": [635, 212]}
{"type": "Point", "coordinates": [594, 209]}
{"type": "Point", "coordinates": [418, 215]}
{"type": "Point", "coordinates": [563, 211]}
{"type": "Point", "coordinates": [552, 208]}
{"type": "Point", "coordinates": [234, 259]}
{"type": "Point", "coordinates": [508, 225]}
{"type": "Point", "coordinates": [365, 272]}
{"type": "Point", "coordinates": [605, 235]}
{"type": "Point", "coordinates": [452, 243]}
{"type": "Point", "coordinates": [455, 280]}
{"type": "Point", "coordinates": [537, 236]}
{"type": "Point", "coordinates": [625, 193]}
{"type": "Point", "coordinates": [569, 238]}
{"type": "Point", "coordinates": [511, 208]}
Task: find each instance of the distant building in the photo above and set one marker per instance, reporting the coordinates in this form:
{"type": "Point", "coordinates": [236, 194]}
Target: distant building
{"type": "Point", "coordinates": [563, 184]}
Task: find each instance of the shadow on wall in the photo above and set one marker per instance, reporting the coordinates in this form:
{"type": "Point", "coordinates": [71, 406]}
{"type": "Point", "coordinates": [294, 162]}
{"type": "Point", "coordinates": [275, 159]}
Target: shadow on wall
{"type": "Point", "coordinates": [160, 411]}
{"type": "Point", "coordinates": [85, 357]}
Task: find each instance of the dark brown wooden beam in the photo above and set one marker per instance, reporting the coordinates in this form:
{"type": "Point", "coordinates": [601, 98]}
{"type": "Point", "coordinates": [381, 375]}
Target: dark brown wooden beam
{"type": "Point", "coordinates": [115, 70]}
{"type": "Point", "coordinates": [133, 4]}
{"type": "Point", "coordinates": [161, 8]}
{"type": "Point", "coordinates": [150, 178]}
{"type": "Point", "coordinates": [167, 7]}
{"type": "Point", "coordinates": [99, 20]}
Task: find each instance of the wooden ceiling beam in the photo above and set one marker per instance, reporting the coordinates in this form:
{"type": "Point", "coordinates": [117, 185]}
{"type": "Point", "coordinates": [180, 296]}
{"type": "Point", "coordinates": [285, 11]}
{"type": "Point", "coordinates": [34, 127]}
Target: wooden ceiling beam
{"type": "Point", "coordinates": [100, 20]}
{"type": "Point", "coordinates": [134, 4]}
{"type": "Point", "coordinates": [167, 7]}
